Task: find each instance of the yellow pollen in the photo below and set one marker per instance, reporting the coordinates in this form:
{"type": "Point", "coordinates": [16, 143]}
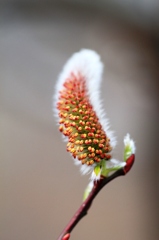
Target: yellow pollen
{"type": "Point", "coordinates": [68, 144]}
{"type": "Point", "coordinates": [72, 150]}
{"type": "Point", "coordinates": [67, 108]}
{"type": "Point", "coordinates": [77, 142]}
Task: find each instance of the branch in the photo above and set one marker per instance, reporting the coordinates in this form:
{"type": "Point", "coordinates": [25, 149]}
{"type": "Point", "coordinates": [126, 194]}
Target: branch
{"type": "Point", "coordinates": [83, 209]}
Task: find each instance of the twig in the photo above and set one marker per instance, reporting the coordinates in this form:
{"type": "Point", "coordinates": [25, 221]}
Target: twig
{"type": "Point", "coordinates": [82, 211]}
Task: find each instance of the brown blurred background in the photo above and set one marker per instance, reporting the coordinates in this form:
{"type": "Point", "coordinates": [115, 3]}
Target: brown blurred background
{"type": "Point", "coordinates": [39, 184]}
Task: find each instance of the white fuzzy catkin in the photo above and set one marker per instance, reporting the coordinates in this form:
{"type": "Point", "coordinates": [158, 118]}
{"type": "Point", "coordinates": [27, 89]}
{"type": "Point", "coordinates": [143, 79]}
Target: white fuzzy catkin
{"type": "Point", "coordinates": [88, 64]}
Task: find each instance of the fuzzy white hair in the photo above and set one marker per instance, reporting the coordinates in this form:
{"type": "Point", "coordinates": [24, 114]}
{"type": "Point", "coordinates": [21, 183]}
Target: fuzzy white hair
{"type": "Point", "coordinates": [88, 64]}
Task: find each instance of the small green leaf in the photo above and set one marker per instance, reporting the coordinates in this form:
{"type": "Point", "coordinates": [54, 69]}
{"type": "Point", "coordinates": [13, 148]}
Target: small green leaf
{"type": "Point", "coordinates": [97, 170]}
{"type": "Point", "coordinates": [127, 152]}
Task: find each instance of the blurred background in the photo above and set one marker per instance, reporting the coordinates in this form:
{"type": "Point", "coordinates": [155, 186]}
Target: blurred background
{"type": "Point", "coordinates": [39, 184]}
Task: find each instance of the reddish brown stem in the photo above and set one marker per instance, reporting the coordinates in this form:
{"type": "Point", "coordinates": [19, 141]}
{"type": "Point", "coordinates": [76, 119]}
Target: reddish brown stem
{"type": "Point", "coordinates": [83, 209]}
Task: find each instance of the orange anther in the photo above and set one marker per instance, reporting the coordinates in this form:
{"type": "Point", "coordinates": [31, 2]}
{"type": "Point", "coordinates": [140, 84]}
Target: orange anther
{"type": "Point", "coordinates": [61, 120]}
{"type": "Point", "coordinates": [79, 157]}
{"type": "Point", "coordinates": [66, 122]}
{"type": "Point", "coordinates": [91, 162]}
{"type": "Point", "coordinates": [95, 140]}
{"type": "Point", "coordinates": [74, 110]}
{"type": "Point", "coordinates": [98, 160]}
{"type": "Point", "coordinates": [101, 145]}
{"type": "Point", "coordinates": [97, 135]}
{"type": "Point", "coordinates": [81, 149]}
{"type": "Point", "coordinates": [89, 148]}
{"type": "Point", "coordinates": [100, 151]}
{"type": "Point", "coordinates": [92, 150]}
{"type": "Point", "coordinates": [92, 114]}
{"type": "Point", "coordinates": [73, 124]}
{"type": "Point", "coordinates": [102, 155]}
{"type": "Point", "coordinates": [77, 142]}
{"type": "Point", "coordinates": [90, 134]}
{"type": "Point", "coordinates": [85, 155]}
{"type": "Point", "coordinates": [76, 134]}
{"type": "Point", "coordinates": [72, 150]}
{"type": "Point", "coordinates": [77, 148]}
{"type": "Point", "coordinates": [90, 141]}
{"type": "Point", "coordinates": [61, 128]}
{"type": "Point", "coordinates": [66, 133]}
{"type": "Point", "coordinates": [83, 161]}
{"type": "Point", "coordinates": [93, 129]}
{"type": "Point", "coordinates": [81, 142]}
{"type": "Point", "coordinates": [102, 141]}
{"type": "Point", "coordinates": [85, 117]}
{"type": "Point", "coordinates": [108, 156]}
{"type": "Point", "coordinates": [80, 111]}
{"type": "Point", "coordinates": [79, 128]}
{"type": "Point", "coordinates": [71, 140]}
{"type": "Point", "coordinates": [69, 130]}
{"type": "Point", "coordinates": [83, 135]}
{"type": "Point", "coordinates": [67, 108]}
{"type": "Point", "coordinates": [106, 149]}
{"type": "Point", "coordinates": [86, 141]}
